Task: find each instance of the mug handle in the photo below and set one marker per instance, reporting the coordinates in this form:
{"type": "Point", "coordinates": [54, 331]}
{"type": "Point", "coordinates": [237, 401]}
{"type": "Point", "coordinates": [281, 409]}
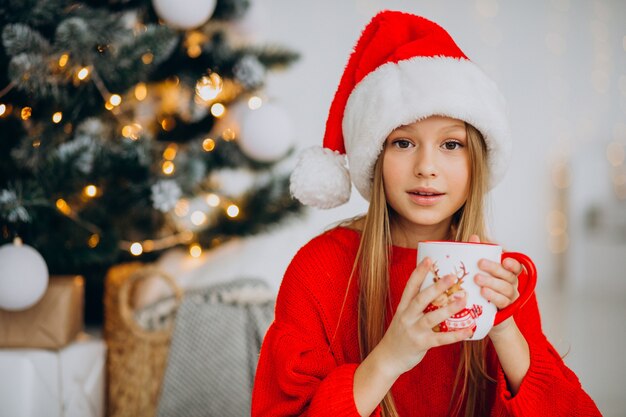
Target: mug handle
{"type": "Point", "coordinates": [527, 277]}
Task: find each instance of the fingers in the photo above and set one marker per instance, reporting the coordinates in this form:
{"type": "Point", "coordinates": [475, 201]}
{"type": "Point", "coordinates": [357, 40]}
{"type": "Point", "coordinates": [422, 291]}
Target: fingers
{"type": "Point", "coordinates": [447, 338]}
{"type": "Point", "coordinates": [421, 300]}
{"type": "Point", "coordinates": [414, 283]}
{"type": "Point", "coordinates": [499, 283]}
{"type": "Point", "coordinates": [433, 318]}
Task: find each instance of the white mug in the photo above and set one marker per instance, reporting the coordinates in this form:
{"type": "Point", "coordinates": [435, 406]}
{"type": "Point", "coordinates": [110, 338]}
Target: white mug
{"type": "Point", "coordinates": [461, 259]}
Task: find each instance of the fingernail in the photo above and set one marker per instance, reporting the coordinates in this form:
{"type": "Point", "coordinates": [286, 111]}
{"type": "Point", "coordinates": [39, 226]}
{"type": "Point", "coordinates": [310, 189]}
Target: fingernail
{"type": "Point", "coordinates": [458, 295]}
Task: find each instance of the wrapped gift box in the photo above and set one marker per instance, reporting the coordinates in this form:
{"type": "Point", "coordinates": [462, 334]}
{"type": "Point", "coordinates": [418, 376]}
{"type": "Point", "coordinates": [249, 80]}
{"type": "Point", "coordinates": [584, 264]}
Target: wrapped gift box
{"type": "Point", "coordinates": [64, 383]}
{"type": "Point", "coordinates": [51, 323]}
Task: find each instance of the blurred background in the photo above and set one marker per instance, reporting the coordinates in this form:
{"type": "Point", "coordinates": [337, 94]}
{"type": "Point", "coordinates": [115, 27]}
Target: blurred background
{"type": "Point", "coordinates": [176, 173]}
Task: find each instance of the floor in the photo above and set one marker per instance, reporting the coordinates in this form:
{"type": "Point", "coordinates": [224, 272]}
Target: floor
{"type": "Point", "coordinates": [589, 329]}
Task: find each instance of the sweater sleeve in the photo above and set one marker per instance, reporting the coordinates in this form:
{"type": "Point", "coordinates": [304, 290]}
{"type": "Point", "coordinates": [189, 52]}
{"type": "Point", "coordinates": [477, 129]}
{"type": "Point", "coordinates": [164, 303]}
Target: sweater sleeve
{"type": "Point", "coordinates": [549, 388]}
{"type": "Point", "coordinates": [297, 373]}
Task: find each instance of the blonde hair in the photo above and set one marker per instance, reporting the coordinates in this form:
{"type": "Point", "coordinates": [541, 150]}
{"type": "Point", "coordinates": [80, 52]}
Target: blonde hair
{"type": "Point", "coordinates": [372, 262]}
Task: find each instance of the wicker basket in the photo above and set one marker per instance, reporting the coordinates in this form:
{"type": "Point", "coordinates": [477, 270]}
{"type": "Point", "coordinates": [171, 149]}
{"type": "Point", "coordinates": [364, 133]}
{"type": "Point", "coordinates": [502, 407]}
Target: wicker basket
{"type": "Point", "coordinates": [136, 357]}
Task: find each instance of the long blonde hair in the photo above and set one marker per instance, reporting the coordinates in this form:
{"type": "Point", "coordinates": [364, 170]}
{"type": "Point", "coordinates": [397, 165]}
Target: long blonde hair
{"type": "Point", "coordinates": [372, 262]}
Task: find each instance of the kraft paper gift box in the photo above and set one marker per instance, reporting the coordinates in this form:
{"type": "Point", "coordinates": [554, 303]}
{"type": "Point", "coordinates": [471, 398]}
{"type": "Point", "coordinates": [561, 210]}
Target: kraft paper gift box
{"type": "Point", "coordinates": [64, 383]}
{"type": "Point", "coordinates": [52, 323]}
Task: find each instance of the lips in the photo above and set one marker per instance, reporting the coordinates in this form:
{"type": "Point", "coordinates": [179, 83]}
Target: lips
{"type": "Point", "coordinates": [426, 192]}
{"type": "Point", "coordinates": [425, 196]}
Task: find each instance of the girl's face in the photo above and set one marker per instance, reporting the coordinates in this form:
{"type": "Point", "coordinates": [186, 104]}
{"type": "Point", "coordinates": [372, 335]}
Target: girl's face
{"type": "Point", "coordinates": [426, 174]}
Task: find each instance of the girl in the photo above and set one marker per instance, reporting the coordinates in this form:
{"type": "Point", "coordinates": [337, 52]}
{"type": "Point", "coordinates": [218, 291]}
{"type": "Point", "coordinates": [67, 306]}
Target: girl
{"type": "Point", "coordinates": [426, 136]}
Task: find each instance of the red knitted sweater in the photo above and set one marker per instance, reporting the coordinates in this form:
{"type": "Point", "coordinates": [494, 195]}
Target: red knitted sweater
{"type": "Point", "coordinates": [308, 357]}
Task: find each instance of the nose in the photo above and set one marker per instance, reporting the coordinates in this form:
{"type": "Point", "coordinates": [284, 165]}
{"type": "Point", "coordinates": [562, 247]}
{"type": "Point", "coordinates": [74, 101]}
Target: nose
{"type": "Point", "coordinates": [425, 164]}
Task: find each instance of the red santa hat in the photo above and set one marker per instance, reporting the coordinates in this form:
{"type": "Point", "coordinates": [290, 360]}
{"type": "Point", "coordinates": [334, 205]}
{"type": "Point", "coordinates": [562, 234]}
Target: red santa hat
{"type": "Point", "coordinates": [403, 68]}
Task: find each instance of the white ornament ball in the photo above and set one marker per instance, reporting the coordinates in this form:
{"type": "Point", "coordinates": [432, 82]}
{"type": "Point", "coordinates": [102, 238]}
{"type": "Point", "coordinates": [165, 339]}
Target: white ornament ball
{"type": "Point", "coordinates": [23, 276]}
{"type": "Point", "coordinates": [266, 133]}
{"type": "Point", "coordinates": [184, 14]}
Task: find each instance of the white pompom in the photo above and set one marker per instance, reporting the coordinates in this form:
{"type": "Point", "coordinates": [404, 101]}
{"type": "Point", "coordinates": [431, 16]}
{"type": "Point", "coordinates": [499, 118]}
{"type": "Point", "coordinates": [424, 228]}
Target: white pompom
{"type": "Point", "coordinates": [321, 178]}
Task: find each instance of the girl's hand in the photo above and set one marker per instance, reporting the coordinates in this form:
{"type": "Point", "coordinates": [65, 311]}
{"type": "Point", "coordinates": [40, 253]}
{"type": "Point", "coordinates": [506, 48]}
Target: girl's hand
{"type": "Point", "coordinates": [498, 282]}
{"type": "Point", "coordinates": [410, 333]}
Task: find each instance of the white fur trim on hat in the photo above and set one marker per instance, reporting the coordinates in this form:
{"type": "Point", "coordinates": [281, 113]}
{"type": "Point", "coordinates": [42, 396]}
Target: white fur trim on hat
{"type": "Point", "coordinates": [401, 93]}
{"type": "Point", "coordinates": [321, 178]}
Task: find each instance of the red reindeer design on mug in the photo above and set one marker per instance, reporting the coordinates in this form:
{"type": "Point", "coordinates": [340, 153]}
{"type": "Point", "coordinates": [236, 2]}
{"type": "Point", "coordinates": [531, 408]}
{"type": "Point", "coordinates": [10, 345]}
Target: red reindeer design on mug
{"type": "Point", "coordinates": [465, 318]}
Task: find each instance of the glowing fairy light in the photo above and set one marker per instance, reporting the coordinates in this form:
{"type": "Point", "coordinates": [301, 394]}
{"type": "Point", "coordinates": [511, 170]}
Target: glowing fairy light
{"type": "Point", "coordinates": [170, 152]}
{"type": "Point", "coordinates": [136, 249]}
{"type": "Point", "coordinates": [208, 144]}
{"type": "Point", "coordinates": [3, 109]}
{"type": "Point", "coordinates": [63, 59]}
{"type": "Point", "coordinates": [168, 167]}
{"type": "Point", "coordinates": [232, 211]}
{"type": "Point", "coordinates": [57, 117]}
{"type": "Point", "coordinates": [147, 58]}
{"type": "Point", "coordinates": [93, 241]}
{"type": "Point", "coordinates": [195, 250]}
{"type": "Point", "coordinates": [213, 200]}
{"type": "Point", "coordinates": [63, 207]}
{"type": "Point", "coordinates": [26, 113]}
{"type": "Point", "coordinates": [141, 91]}
{"type": "Point", "coordinates": [218, 110]}
{"type": "Point", "coordinates": [209, 87]}
{"type": "Point", "coordinates": [115, 100]}
{"type": "Point", "coordinates": [255, 102]}
{"type": "Point", "coordinates": [82, 73]}
{"type": "Point", "coordinates": [90, 190]}
{"type": "Point", "coordinates": [198, 218]}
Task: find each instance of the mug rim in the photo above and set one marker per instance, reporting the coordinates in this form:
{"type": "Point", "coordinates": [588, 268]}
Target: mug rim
{"type": "Point", "coordinates": [450, 242]}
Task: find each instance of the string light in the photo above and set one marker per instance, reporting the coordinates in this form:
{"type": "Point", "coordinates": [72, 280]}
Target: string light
{"type": "Point", "coordinates": [208, 144]}
{"type": "Point", "coordinates": [136, 249]}
{"type": "Point", "coordinates": [168, 123]}
{"type": "Point", "coordinates": [63, 207]}
{"type": "Point", "coordinates": [3, 109]}
{"type": "Point", "coordinates": [194, 51]}
{"type": "Point", "coordinates": [63, 60]}
{"type": "Point", "coordinates": [108, 106]}
{"type": "Point", "coordinates": [168, 167]}
{"type": "Point", "coordinates": [26, 113]}
{"type": "Point", "coordinates": [193, 42]}
{"type": "Point", "coordinates": [232, 211]}
{"type": "Point", "coordinates": [255, 102]}
{"type": "Point", "coordinates": [82, 73]}
{"type": "Point", "coordinates": [209, 87]}
{"type": "Point", "coordinates": [147, 58]}
{"type": "Point", "coordinates": [57, 117]}
{"type": "Point", "coordinates": [170, 152]}
{"type": "Point", "coordinates": [218, 110]}
{"type": "Point", "coordinates": [213, 200]}
{"type": "Point", "coordinates": [36, 143]}
{"type": "Point", "coordinates": [132, 131]}
{"type": "Point", "coordinates": [90, 191]}
{"type": "Point", "coordinates": [141, 91]}
{"type": "Point", "coordinates": [198, 218]}
{"type": "Point", "coordinates": [195, 250]}
{"type": "Point", "coordinates": [228, 134]}
{"type": "Point", "coordinates": [93, 241]}
{"type": "Point", "coordinates": [115, 100]}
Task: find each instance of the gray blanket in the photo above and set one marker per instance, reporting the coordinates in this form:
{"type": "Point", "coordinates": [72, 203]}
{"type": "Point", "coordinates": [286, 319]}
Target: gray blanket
{"type": "Point", "coordinates": [214, 351]}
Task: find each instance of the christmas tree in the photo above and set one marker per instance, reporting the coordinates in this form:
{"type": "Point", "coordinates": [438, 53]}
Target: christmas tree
{"type": "Point", "coordinates": [130, 127]}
